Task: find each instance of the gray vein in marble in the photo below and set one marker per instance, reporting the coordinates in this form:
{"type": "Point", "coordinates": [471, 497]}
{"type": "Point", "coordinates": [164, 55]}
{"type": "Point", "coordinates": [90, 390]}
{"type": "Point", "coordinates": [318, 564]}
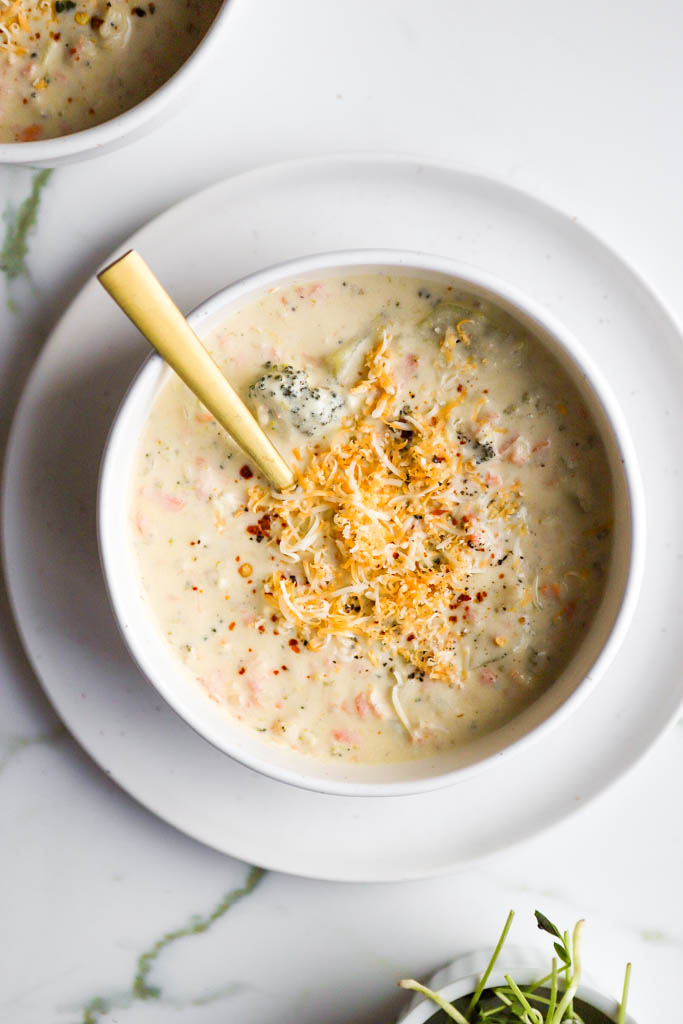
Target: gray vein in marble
{"type": "Point", "coordinates": [217, 995]}
{"type": "Point", "coordinates": [11, 746]}
{"type": "Point", "coordinates": [141, 989]}
{"type": "Point", "coordinates": [100, 1006]}
{"type": "Point", "coordinates": [18, 225]}
{"type": "Point", "coordinates": [654, 935]}
{"type": "Point", "coordinates": [645, 934]}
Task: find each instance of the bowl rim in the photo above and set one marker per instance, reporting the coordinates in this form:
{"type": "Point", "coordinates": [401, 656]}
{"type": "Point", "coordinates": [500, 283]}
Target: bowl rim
{"type": "Point", "coordinates": [378, 260]}
{"type": "Point", "coordinates": [118, 128]}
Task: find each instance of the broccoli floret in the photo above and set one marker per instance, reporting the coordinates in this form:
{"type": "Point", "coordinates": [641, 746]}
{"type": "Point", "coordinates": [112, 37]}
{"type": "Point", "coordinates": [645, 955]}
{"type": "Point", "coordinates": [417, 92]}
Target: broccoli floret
{"type": "Point", "coordinates": [446, 315]}
{"type": "Point", "coordinates": [478, 451]}
{"type": "Point", "coordinates": [284, 392]}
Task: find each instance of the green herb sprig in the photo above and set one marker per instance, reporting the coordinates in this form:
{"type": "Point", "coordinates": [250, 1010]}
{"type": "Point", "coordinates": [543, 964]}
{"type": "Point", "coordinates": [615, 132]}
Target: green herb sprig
{"type": "Point", "coordinates": [550, 1000]}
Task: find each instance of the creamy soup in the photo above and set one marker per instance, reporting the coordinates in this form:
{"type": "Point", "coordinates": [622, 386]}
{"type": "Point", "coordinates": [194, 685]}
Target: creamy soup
{"type": "Point", "coordinates": [444, 549]}
{"type": "Point", "coordinates": [66, 65]}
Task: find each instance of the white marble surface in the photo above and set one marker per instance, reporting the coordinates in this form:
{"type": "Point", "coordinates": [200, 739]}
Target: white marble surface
{"type": "Point", "coordinates": [576, 103]}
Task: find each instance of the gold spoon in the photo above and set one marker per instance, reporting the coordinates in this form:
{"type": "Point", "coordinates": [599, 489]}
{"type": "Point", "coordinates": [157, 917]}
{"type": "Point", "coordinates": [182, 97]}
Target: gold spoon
{"type": "Point", "coordinates": [131, 284]}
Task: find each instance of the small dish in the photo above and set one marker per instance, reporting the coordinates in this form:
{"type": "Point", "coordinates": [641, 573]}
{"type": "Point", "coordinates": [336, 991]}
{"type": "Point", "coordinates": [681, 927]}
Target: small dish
{"type": "Point", "coordinates": [525, 965]}
{"type": "Point", "coordinates": [590, 660]}
{"type": "Point", "coordinates": [128, 125]}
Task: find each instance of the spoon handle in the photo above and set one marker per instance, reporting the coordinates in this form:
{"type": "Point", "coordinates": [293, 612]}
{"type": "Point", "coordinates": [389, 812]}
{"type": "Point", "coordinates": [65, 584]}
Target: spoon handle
{"type": "Point", "coordinates": [131, 284]}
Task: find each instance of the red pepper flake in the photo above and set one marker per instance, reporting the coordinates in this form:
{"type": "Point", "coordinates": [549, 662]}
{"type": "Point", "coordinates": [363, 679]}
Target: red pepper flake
{"type": "Point", "coordinates": [276, 672]}
{"type": "Point", "coordinates": [246, 473]}
{"type": "Point", "coordinates": [411, 636]}
{"type": "Point", "coordinates": [294, 644]}
{"type": "Point", "coordinates": [262, 528]}
{"type": "Point", "coordinates": [241, 671]}
{"type": "Point", "coordinates": [231, 626]}
{"type": "Point", "coordinates": [284, 668]}
{"type": "Point", "coordinates": [481, 595]}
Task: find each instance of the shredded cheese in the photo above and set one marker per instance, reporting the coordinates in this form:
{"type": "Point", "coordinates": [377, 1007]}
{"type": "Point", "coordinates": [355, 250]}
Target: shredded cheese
{"type": "Point", "coordinates": [20, 20]}
{"type": "Point", "coordinates": [383, 531]}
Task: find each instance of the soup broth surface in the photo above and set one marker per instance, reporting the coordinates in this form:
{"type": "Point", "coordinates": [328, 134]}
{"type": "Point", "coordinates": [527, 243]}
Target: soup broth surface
{"type": "Point", "coordinates": [443, 552]}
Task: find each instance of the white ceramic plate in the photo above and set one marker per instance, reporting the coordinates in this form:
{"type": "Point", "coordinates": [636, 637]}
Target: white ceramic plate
{"type": "Point", "coordinates": [51, 553]}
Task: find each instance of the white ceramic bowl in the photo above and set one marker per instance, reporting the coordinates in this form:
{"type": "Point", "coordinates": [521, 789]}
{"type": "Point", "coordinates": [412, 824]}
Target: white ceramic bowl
{"type": "Point", "coordinates": [155, 657]}
{"type": "Point", "coordinates": [525, 966]}
{"type": "Point", "coordinates": [129, 125]}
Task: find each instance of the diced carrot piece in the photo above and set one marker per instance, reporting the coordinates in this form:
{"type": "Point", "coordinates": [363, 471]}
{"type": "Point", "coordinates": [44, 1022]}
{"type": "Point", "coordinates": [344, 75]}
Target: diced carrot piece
{"type": "Point", "coordinates": [361, 702]}
{"type": "Point", "coordinates": [30, 133]}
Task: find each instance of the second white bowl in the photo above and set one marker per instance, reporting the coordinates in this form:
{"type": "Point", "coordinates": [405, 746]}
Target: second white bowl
{"type": "Point", "coordinates": [130, 124]}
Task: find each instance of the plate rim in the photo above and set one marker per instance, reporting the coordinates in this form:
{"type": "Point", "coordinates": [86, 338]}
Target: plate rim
{"type": "Point", "coordinates": [277, 169]}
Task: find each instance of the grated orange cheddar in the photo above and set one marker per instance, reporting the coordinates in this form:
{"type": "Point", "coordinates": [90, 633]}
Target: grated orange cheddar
{"type": "Point", "coordinates": [19, 22]}
{"type": "Point", "coordinates": [378, 539]}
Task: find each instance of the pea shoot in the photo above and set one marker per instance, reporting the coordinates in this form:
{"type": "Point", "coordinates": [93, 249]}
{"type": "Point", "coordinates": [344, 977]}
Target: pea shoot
{"type": "Point", "coordinates": [550, 1000]}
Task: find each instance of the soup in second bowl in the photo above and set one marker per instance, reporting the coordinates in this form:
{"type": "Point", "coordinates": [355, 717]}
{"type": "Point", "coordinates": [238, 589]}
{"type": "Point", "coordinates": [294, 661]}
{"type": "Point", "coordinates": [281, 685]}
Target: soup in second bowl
{"type": "Point", "coordinates": [66, 65]}
{"type": "Point", "coordinates": [442, 554]}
